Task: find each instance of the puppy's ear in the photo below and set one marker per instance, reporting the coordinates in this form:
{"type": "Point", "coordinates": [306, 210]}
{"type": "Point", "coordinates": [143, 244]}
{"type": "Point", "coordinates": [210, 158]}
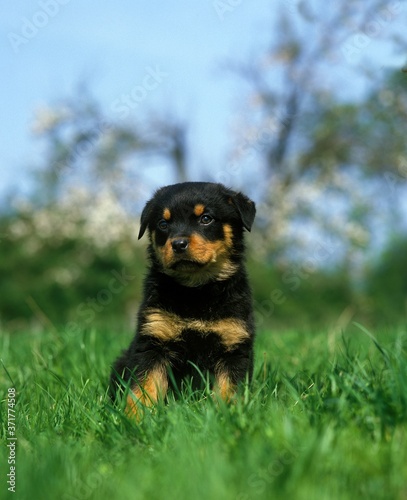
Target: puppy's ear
{"type": "Point", "coordinates": [246, 209]}
{"type": "Point", "coordinates": [145, 218]}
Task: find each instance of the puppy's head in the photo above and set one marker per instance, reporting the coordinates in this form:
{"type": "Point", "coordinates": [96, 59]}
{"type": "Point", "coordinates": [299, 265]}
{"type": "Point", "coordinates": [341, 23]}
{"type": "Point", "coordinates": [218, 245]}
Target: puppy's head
{"type": "Point", "coordinates": [196, 230]}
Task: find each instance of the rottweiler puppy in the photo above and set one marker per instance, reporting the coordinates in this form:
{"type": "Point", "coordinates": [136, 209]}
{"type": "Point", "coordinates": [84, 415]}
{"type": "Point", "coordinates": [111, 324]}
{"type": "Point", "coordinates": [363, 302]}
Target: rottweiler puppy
{"type": "Point", "coordinates": [196, 316]}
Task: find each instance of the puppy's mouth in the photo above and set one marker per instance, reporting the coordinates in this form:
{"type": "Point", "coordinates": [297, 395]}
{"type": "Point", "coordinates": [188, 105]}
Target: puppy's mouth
{"type": "Point", "coordinates": [187, 265]}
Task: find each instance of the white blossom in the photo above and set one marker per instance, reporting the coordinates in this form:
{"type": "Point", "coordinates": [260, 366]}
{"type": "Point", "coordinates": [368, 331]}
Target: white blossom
{"type": "Point", "coordinates": [98, 219]}
{"type": "Point", "coordinates": [46, 118]}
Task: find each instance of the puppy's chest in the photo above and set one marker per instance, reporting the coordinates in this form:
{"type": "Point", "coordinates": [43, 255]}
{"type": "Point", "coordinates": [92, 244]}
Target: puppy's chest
{"type": "Point", "coordinates": [168, 327]}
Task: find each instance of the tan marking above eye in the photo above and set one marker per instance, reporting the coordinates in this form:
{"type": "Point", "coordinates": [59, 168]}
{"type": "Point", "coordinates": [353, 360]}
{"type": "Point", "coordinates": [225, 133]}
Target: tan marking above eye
{"type": "Point", "coordinates": [199, 209]}
{"type": "Point", "coordinates": [166, 214]}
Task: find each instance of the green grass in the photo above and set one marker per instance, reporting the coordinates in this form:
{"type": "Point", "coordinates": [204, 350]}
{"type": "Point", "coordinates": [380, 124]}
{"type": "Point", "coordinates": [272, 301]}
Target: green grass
{"type": "Point", "coordinates": [325, 418]}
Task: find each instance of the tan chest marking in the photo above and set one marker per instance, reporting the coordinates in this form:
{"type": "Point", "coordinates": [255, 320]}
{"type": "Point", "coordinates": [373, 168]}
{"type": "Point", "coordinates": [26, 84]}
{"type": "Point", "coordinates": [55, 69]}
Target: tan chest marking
{"type": "Point", "coordinates": [167, 326]}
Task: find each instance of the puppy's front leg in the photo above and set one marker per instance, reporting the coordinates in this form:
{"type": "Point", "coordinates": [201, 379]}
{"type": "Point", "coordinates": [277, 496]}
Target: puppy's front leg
{"type": "Point", "coordinates": [229, 373]}
{"type": "Point", "coordinates": [151, 387]}
{"type": "Point", "coordinates": [224, 386]}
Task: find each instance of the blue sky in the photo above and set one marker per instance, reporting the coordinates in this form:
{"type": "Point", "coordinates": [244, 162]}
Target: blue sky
{"type": "Point", "coordinates": [112, 46]}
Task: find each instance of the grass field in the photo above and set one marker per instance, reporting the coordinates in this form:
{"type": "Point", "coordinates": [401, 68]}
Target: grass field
{"type": "Point", "coordinates": [325, 418]}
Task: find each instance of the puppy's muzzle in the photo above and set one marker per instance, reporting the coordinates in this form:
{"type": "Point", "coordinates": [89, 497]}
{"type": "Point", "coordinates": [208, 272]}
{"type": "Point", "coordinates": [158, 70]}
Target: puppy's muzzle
{"type": "Point", "coordinates": [179, 245]}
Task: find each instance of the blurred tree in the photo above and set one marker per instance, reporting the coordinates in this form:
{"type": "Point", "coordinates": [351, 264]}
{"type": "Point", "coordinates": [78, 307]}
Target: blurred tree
{"type": "Point", "coordinates": [76, 260]}
{"type": "Point", "coordinates": [72, 257]}
{"type": "Point", "coordinates": [84, 147]}
{"type": "Point", "coordinates": [329, 136]}
{"type": "Point", "coordinates": [327, 128]}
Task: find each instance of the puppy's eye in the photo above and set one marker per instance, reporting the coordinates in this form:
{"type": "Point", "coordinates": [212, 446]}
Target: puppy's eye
{"type": "Point", "coordinates": [206, 219]}
{"type": "Point", "coordinates": [162, 224]}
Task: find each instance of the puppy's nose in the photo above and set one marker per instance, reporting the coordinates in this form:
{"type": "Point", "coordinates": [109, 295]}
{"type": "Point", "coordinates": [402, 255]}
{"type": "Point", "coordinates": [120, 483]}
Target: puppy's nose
{"type": "Point", "coordinates": [179, 245]}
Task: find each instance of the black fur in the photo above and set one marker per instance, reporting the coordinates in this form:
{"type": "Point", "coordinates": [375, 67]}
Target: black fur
{"type": "Point", "coordinates": [194, 296]}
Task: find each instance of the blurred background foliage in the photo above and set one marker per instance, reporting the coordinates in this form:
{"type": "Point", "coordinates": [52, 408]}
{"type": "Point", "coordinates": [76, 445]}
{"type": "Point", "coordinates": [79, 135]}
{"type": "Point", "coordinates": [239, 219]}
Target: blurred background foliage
{"type": "Point", "coordinates": [327, 167]}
